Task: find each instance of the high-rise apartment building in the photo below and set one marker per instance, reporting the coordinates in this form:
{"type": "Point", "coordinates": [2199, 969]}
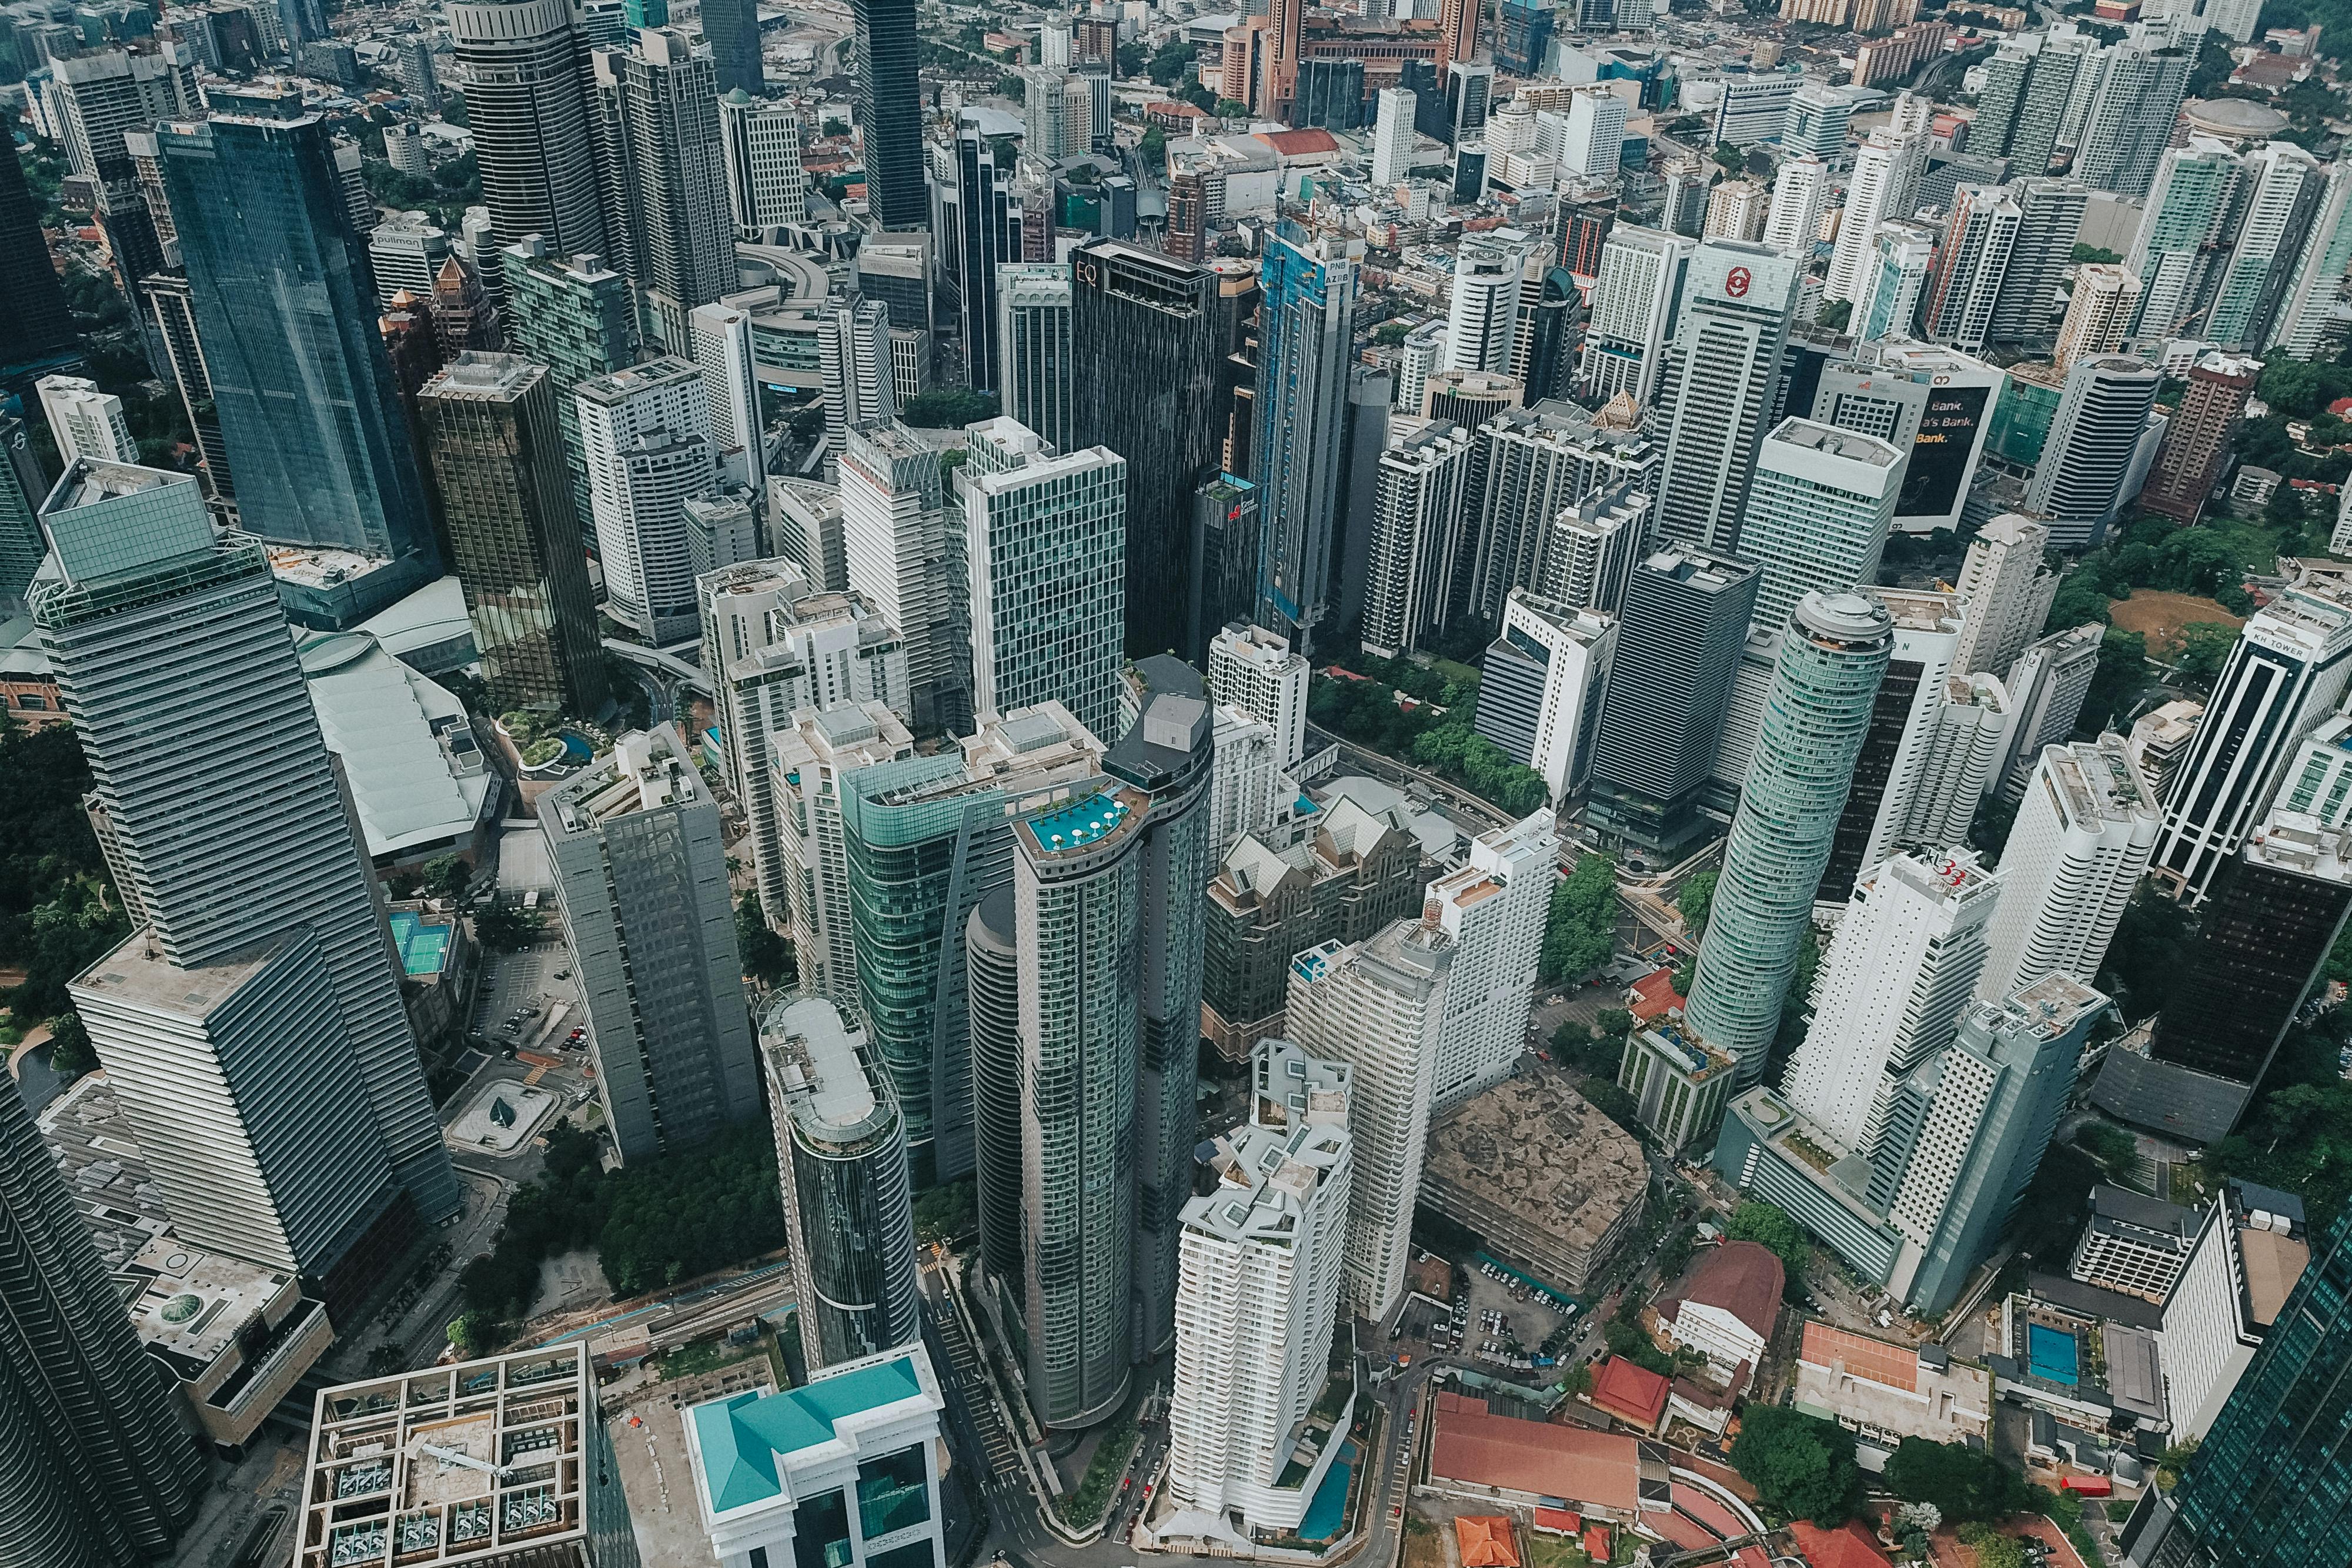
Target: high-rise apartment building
{"type": "Point", "coordinates": [1045, 537]}
{"type": "Point", "coordinates": [899, 550]}
{"type": "Point", "coordinates": [577, 317]}
{"type": "Point", "coordinates": [514, 540]}
{"type": "Point", "coordinates": [1378, 1007]}
{"type": "Point", "coordinates": [641, 881]}
{"type": "Point", "coordinates": [95, 98]}
{"type": "Point", "coordinates": [258, 1006]}
{"type": "Point", "coordinates": [1306, 323]}
{"type": "Point", "coordinates": [1737, 210]}
{"type": "Point", "coordinates": [1557, 500]}
{"type": "Point", "coordinates": [1540, 700]}
{"type": "Point", "coordinates": [1636, 295]}
{"type": "Point", "coordinates": [1483, 313]}
{"type": "Point", "coordinates": [2183, 235]}
{"type": "Point", "coordinates": [1494, 907]}
{"type": "Point", "coordinates": [2082, 837]}
{"type": "Point", "coordinates": [1819, 504]}
{"type": "Point", "coordinates": [2028, 83]}
{"type": "Point", "coordinates": [645, 437]}
{"type": "Point", "coordinates": [1832, 655]}
{"type": "Point", "coordinates": [2099, 313]}
{"type": "Point", "coordinates": [1393, 136]}
{"type": "Point", "coordinates": [1878, 190]}
{"type": "Point", "coordinates": [1721, 380]}
{"type": "Point", "coordinates": [2046, 685]}
{"type": "Point", "coordinates": [101, 1463]}
{"type": "Point", "coordinates": [664, 164]}
{"type": "Point", "coordinates": [841, 1164]}
{"type": "Point", "coordinates": [2307, 307]}
{"type": "Point", "coordinates": [307, 404]}
{"type": "Point", "coordinates": [807, 760]}
{"type": "Point", "coordinates": [1895, 980]}
{"type": "Point", "coordinates": [1411, 592]}
{"type": "Point", "coordinates": [719, 343]}
{"type": "Point", "coordinates": [853, 364]}
{"type": "Point", "coordinates": [527, 104]}
{"type": "Point", "coordinates": [2048, 216]}
{"type": "Point", "coordinates": [2196, 449]}
{"type": "Point", "coordinates": [85, 422]}
{"type": "Point", "coordinates": [1971, 261]}
{"type": "Point", "coordinates": [1258, 1300]}
{"type": "Point", "coordinates": [2279, 195]}
{"type": "Point", "coordinates": [2286, 674]}
{"type": "Point", "coordinates": [925, 841]}
{"type": "Point", "coordinates": [2130, 119]}
{"type": "Point", "coordinates": [1032, 331]}
{"type": "Point", "coordinates": [1800, 191]}
{"type": "Point", "coordinates": [1898, 773]}
{"type": "Point", "coordinates": [1254, 670]}
{"type": "Point", "coordinates": [1151, 341]}
{"type": "Point", "coordinates": [2102, 417]}
{"type": "Point", "coordinates": [1679, 640]}
{"type": "Point", "coordinates": [766, 186]}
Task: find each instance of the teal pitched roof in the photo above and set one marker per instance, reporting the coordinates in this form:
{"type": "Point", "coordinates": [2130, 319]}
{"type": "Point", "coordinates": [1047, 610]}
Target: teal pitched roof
{"type": "Point", "coordinates": [742, 1437]}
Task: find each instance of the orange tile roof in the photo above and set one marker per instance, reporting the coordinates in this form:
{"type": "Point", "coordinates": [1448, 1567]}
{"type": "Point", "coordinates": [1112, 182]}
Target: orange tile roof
{"type": "Point", "coordinates": [1569, 1463]}
{"type": "Point", "coordinates": [1487, 1541]}
{"type": "Point", "coordinates": [1892, 1365]}
{"type": "Point", "coordinates": [1299, 143]}
{"type": "Point", "coordinates": [1737, 1277]}
{"type": "Point", "coordinates": [1653, 996]}
{"type": "Point", "coordinates": [1632, 1393]}
{"type": "Point", "coordinates": [1850, 1545]}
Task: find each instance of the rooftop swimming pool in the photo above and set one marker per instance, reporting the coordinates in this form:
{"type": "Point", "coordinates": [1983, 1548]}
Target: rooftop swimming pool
{"type": "Point", "coordinates": [2052, 1353]}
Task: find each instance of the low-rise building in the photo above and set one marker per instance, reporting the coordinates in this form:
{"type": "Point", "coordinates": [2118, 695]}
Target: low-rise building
{"type": "Point", "coordinates": [1679, 1080]}
{"type": "Point", "coordinates": [1553, 1186]}
{"type": "Point", "coordinates": [1884, 1392]}
{"type": "Point", "coordinates": [1633, 1395]}
{"type": "Point", "coordinates": [2248, 1255]}
{"type": "Point", "coordinates": [843, 1471]}
{"type": "Point", "coordinates": [1726, 1303]}
{"type": "Point", "coordinates": [2133, 1244]}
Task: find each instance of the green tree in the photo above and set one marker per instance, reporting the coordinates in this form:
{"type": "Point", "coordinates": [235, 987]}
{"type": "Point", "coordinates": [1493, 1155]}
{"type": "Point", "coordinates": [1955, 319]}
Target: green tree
{"type": "Point", "coordinates": [767, 957]}
{"type": "Point", "coordinates": [447, 875]}
{"type": "Point", "coordinates": [471, 1332]}
{"type": "Point", "coordinates": [70, 1054]}
{"type": "Point", "coordinates": [1696, 897]}
{"type": "Point", "coordinates": [504, 927]}
{"type": "Point", "coordinates": [1613, 1023]}
{"type": "Point", "coordinates": [2121, 674]}
{"type": "Point", "coordinates": [1390, 333]}
{"type": "Point", "coordinates": [1612, 1103]}
{"type": "Point", "coordinates": [1132, 59]}
{"type": "Point", "coordinates": [835, 126]}
{"type": "Point", "coordinates": [945, 1212]}
{"type": "Point", "coordinates": [1581, 928]}
{"type": "Point", "coordinates": [1800, 1464]}
{"type": "Point", "coordinates": [1769, 1227]}
{"type": "Point", "coordinates": [1835, 314]}
{"type": "Point", "coordinates": [1733, 160]}
{"type": "Point", "coordinates": [1964, 1483]}
{"type": "Point", "coordinates": [947, 407]}
{"type": "Point", "coordinates": [2117, 1151]}
{"type": "Point", "coordinates": [1992, 1548]}
{"type": "Point", "coordinates": [2093, 253]}
{"type": "Point", "coordinates": [2204, 645]}
{"type": "Point", "coordinates": [1172, 62]}
{"type": "Point", "coordinates": [1154, 145]}
{"type": "Point", "coordinates": [1624, 1336]}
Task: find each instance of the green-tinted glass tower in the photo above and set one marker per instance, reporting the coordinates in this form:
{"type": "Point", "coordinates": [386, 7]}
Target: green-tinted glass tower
{"type": "Point", "coordinates": [574, 315]}
{"type": "Point", "coordinates": [1832, 656]}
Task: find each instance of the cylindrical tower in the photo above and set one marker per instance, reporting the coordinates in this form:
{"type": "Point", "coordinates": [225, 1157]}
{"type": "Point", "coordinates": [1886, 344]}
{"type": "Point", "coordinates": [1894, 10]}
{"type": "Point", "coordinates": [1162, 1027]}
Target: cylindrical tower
{"type": "Point", "coordinates": [993, 956]}
{"type": "Point", "coordinates": [1832, 657]}
{"type": "Point", "coordinates": [841, 1155]}
{"type": "Point", "coordinates": [527, 105]}
{"type": "Point", "coordinates": [97, 1466]}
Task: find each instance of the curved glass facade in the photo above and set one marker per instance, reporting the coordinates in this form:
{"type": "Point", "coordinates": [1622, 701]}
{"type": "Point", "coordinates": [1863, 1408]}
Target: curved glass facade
{"type": "Point", "coordinates": [995, 996]}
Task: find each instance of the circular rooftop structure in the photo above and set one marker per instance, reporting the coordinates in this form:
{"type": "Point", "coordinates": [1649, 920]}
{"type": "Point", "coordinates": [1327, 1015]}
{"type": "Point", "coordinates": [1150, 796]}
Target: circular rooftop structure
{"type": "Point", "coordinates": [2233, 119]}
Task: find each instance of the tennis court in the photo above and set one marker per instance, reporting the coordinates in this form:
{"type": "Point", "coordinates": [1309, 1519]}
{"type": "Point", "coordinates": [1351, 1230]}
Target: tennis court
{"type": "Point", "coordinates": [423, 949]}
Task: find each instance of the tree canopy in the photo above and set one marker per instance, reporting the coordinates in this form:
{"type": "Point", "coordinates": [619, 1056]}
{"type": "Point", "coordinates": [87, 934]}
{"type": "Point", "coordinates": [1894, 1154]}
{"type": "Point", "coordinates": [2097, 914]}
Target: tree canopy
{"type": "Point", "coordinates": [1696, 897]}
{"type": "Point", "coordinates": [1800, 1464]}
{"type": "Point", "coordinates": [1581, 928]}
{"type": "Point", "coordinates": [1963, 1483]}
{"type": "Point", "coordinates": [767, 957]}
{"type": "Point", "coordinates": [1769, 1227]}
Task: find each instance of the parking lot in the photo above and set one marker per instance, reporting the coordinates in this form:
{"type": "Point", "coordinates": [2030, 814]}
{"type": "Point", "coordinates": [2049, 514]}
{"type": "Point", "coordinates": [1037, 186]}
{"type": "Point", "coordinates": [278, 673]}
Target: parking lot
{"type": "Point", "coordinates": [515, 983]}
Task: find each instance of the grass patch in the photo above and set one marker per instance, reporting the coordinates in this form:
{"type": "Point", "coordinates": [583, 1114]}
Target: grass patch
{"type": "Point", "coordinates": [1085, 1505]}
{"type": "Point", "coordinates": [704, 1356]}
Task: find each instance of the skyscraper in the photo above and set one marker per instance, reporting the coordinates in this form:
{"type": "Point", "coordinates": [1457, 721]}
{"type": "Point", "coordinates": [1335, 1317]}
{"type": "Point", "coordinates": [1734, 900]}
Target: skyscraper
{"type": "Point", "coordinates": [900, 552]}
{"type": "Point", "coordinates": [1801, 189]}
{"type": "Point", "coordinates": [527, 104]}
{"type": "Point", "coordinates": [1494, 907]}
{"type": "Point", "coordinates": [1897, 772]}
{"type": "Point", "coordinates": [1483, 313]}
{"type": "Point", "coordinates": [2271, 1486]}
{"type": "Point", "coordinates": [2183, 235]}
{"type": "Point", "coordinates": [645, 437]}
{"type": "Point", "coordinates": [575, 315]}
{"type": "Point", "coordinates": [1878, 190]}
{"type": "Point", "coordinates": [2286, 674]}
{"type": "Point", "coordinates": [853, 363]}
{"type": "Point", "coordinates": [766, 186]}
{"type": "Point", "coordinates": [1377, 1008]}
{"type": "Point", "coordinates": [1832, 657]}
{"type": "Point", "coordinates": [85, 422]}
{"type": "Point", "coordinates": [1718, 387]}
{"type": "Point", "coordinates": [986, 235]}
{"type": "Point", "coordinates": [232, 840]}
{"type": "Point", "coordinates": [1045, 536]}
{"type": "Point", "coordinates": [1254, 671]}
{"type": "Point", "coordinates": [2196, 449]}
{"type": "Point", "coordinates": [2130, 120]}
{"type": "Point", "coordinates": [889, 121]}
{"type": "Point", "coordinates": [1258, 1298]}
{"type": "Point", "coordinates": [1149, 336]}
{"type": "Point", "coordinates": [2047, 683]}
{"type": "Point", "coordinates": [101, 1465]}
{"type": "Point", "coordinates": [658, 108]}
{"type": "Point", "coordinates": [1897, 978]}
{"type": "Point", "coordinates": [2282, 191]}
{"type": "Point", "coordinates": [1818, 508]}
{"type": "Point", "coordinates": [37, 323]}
{"type": "Point", "coordinates": [23, 547]}
{"type": "Point", "coordinates": [1033, 332]}
{"type": "Point", "coordinates": [1409, 590]}
{"type": "Point", "coordinates": [1393, 136]}
{"type": "Point", "coordinates": [2082, 837]}
{"type": "Point", "coordinates": [840, 1158]}
{"type": "Point", "coordinates": [2322, 253]}
{"type": "Point", "coordinates": [731, 28]}
{"type": "Point", "coordinates": [2101, 416]}
{"type": "Point", "coordinates": [801, 788]}
{"type": "Point", "coordinates": [2099, 313]}
{"type": "Point", "coordinates": [1679, 639]}
{"type": "Point", "coordinates": [514, 539]}
{"type": "Point", "coordinates": [286, 314]}
{"type": "Point", "coordinates": [1971, 259]}
{"type": "Point", "coordinates": [1306, 323]}
{"type": "Point", "coordinates": [1635, 296]}
{"type": "Point", "coordinates": [1540, 699]}
{"type": "Point", "coordinates": [641, 880]}
{"type": "Point", "coordinates": [2048, 216]}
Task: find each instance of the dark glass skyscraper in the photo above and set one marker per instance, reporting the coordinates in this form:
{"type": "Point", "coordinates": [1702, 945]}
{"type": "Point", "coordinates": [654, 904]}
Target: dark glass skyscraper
{"type": "Point", "coordinates": [35, 324]}
{"type": "Point", "coordinates": [97, 1468]}
{"type": "Point", "coordinates": [2271, 1486]}
{"type": "Point", "coordinates": [1147, 344]}
{"type": "Point", "coordinates": [733, 27]}
{"type": "Point", "coordinates": [498, 454]}
{"type": "Point", "coordinates": [526, 106]}
{"type": "Point", "coordinates": [1305, 332]}
{"type": "Point", "coordinates": [286, 308]}
{"type": "Point", "coordinates": [988, 235]}
{"type": "Point", "coordinates": [890, 108]}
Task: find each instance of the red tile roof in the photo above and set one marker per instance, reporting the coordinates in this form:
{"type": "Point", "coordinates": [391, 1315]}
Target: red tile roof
{"type": "Point", "coordinates": [1893, 1365]}
{"type": "Point", "coordinates": [1850, 1545]}
{"type": "Point", "coordinates": [1565, 1520]}
{"type": "Point", "coordinates": [1487, 1541]}
{"type": "Point", "coordinates": [1739, 1277]}
{"type": "Point", "coordinates": [1683, 1531]}
{"type": "Point", "coordinates": [1652, 996]}
{"type": "Point", "coordinates": [1569, 1463]}
{"type": "Point", "coordinates": [1632, 1394]}
{"type": "Point", "coordinates": [1300, 143]}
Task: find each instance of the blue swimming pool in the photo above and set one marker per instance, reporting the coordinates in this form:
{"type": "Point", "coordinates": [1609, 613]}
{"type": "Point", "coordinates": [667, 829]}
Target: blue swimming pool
{"type": "Point", "coordinates": [2052, 1352]}
{"type": "Point", "coordinates": [1326, 1512]}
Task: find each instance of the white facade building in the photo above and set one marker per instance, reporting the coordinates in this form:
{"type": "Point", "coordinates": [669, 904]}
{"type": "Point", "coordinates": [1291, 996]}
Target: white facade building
{"type": "Point", "coordinates": [1393, 135]}
{"type": "Point", "coordinates": [1819, 507]}
{"type": "Point", "coordinates": [1494, 908]}
{"type": "Point", "coordinates": [86, 423]}
{"type": "Point", "coordinates": [806, 761]}
{"type": "Point", "coordinates": [645, 435]}
{"type": "Point", "coordinates": [1254, 670]}
{"type": "Point", "coordinates": [1569, 650]}
{"type": "Point", "coordinates": [2250, 1253]}
{"type": "Point", "coordinates": [722, 350]}
{"type": "Point", "coordinates": [1248, 773]}
{"type": "Point", "coordinates": [1594, 138]}
{"type": "Point", "coordinates": [1633, 296]}
{"type": "Point", "coordinates": [1878, 190]}
{"type": "Point", "coordinates": [766, 186]}
{"type": "Point", "coordinates": [1801, 192]}
{"type": "Point", "coordinates": [1483, 312]}
{"type": "Point", "coordinates": [2082, 837]}
{"type": "Point", "coordinates": [1257, 1299]}
{"type": "Point", "coordinates": [2009, 590]}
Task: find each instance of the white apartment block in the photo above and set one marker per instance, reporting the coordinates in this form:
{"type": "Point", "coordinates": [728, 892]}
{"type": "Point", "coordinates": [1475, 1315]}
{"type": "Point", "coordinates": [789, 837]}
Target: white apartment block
{"type": "Point", "coordinates": [1494, 908]}
{"type": "Point", "coordinates": [2009, 590]}
{"type": "Point", "coordinates": [645, 436]}
{"type": "Point", "coordinates": [2083, 835]}
{"type": "Point", "coordinates": [2131, 1244]}
{"type": "Point", "coordinates": [1245, 780]}
{"type": "Point", "coordinates": [85, 422]}
{"type": "Point", "coordinates": [722, 350]}
{"type": "Point", "coordinates": [801, 779]}
{"type": "Point", "coordinates": [896, 552]}
{"type": "Point", "coordinates": [1898, 975]}
{"type": "Point", "coordinates": [1257, 1299]}
{"type": "Point", "coordinates": [1819, 507]}
{"type": "Point", "coordinates": [1254, 670]}
{"type": "Point", "coordinates": [1568, 651]}
{"type": "Point", "coordinates": [1958, 764]}
{"type": "Point", "coordinates": [1800, 192]}
{"type": "Point", "coordinates": [2249, 1253]}
{"type": "Point", "coordinates": [1377, 1006]}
